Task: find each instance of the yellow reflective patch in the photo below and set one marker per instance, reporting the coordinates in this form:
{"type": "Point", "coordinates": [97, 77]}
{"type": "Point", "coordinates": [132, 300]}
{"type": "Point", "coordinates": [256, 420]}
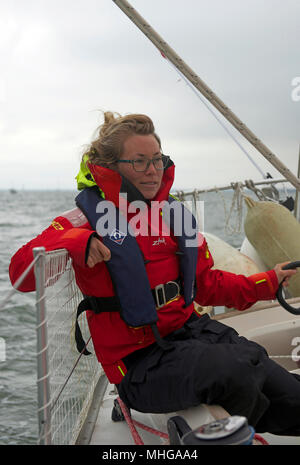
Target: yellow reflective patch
{"type": "Point", "coordinates": [173, 300]}
{"type": "Point", "coordinates": [261, 281]}
{"type": "Point", "coordinates": [207, 253]}
{"type": "Point", "coordinates": [57, 225]}
{"type": "Point", "coordinates": [121, 370]}
{"type": "Point", "coordinates": [173, 197]}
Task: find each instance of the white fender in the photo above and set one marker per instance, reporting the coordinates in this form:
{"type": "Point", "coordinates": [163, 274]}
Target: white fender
{"type": "Point", "coordinates": [274, 232]}
{"type": "Point", "coordinates": [228, 258]}
{"type": "Point", "coordinates": [248, 249]}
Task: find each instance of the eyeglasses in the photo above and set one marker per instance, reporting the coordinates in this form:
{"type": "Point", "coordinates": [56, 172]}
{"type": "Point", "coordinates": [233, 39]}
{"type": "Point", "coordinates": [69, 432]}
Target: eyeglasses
{"type": "Point", "coordinates": [142, 164]}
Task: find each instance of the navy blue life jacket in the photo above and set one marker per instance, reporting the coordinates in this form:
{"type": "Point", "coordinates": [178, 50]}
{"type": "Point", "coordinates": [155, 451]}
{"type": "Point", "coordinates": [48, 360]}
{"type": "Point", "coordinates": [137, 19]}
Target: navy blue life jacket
{"type": "Point", "coordinates": [126, 265]}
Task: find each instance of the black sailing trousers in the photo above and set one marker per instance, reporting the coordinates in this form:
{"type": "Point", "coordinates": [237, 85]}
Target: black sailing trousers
{"type": "Point", "coordinates": [210, 363]}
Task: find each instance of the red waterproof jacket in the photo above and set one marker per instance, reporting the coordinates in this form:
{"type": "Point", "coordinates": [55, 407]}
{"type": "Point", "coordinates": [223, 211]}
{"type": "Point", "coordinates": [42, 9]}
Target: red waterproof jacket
{"type": "Point", "coordinates": [112, 338]}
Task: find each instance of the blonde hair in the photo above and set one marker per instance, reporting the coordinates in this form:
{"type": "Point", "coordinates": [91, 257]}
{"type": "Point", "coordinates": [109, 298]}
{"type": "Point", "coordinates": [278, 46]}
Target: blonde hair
{"type": "Point", "coordinates": [109, 145]}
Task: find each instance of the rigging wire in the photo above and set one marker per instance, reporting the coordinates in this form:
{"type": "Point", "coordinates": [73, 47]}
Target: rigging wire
{"type": "Point", "coordinates": [198, 95]}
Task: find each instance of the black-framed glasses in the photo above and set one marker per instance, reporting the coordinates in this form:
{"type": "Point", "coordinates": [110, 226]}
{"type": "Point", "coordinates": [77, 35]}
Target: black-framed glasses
{"type": "Point", "coordinates": [142, 164]}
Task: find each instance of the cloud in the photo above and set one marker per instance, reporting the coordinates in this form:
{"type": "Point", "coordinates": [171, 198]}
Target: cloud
{"type": "Point", "coordinates": [62, 62]}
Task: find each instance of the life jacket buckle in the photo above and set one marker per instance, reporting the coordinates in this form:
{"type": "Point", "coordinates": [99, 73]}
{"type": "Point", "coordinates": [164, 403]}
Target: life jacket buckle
{"type": "Point", "coordinates": [160, 287]}
{"type": "Point", "coordinates": [160, 293]}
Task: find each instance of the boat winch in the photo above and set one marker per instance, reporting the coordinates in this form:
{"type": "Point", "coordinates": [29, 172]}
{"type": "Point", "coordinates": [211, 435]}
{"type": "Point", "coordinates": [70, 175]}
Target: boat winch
{"type": "Point", "coordinates": [232, 430]}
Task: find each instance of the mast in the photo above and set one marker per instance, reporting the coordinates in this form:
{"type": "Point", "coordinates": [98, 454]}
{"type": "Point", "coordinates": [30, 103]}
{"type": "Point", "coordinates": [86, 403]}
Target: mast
{"type": "Point", "coordinates": [166, 50]}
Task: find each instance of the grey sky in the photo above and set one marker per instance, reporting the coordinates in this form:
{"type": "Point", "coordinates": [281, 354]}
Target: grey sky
{"type": "Point", "coordinates": [63, 61]}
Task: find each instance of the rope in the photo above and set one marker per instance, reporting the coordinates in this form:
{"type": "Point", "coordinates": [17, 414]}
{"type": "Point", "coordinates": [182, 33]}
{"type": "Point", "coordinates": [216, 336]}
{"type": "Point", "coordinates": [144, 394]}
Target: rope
{"type": "Point", "coordinates": [137, 438]}
{"type": "Point", "coordinates": [237, 205]}
{"type": "Point", "coordinates": [151, 430]}
{"type": "Point", "coordinates": [259, 193]}
{"type": "Point", "coordinates": [259, 438]}
{"type": "Point", "coordinates": [133, 423]}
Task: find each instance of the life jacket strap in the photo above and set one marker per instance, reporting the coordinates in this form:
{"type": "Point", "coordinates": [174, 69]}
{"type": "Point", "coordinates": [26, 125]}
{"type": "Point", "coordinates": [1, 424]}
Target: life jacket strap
{"type": "Point", "coordinates": [97, 305]}
{"type": "Point", "coordinates": [165, 345]}
{"type": "Point", "coordinates": [162, 294]}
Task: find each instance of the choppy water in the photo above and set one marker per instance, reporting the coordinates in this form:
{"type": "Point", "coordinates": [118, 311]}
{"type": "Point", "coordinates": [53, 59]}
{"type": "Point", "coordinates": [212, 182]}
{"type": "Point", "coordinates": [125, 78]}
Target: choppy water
{"type": "Point", "coordinates": [23, 215]}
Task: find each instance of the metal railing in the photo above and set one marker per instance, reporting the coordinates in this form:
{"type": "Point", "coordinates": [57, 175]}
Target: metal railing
{"type": "Point", "coordinates": [66, 380]}
{"type": "Point", "coordinates": [43, 385]}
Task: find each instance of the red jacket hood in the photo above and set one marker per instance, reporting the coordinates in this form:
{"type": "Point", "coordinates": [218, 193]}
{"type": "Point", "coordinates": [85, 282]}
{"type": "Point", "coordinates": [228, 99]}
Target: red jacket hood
{"type": "Point", "coordinates": [113, 183]}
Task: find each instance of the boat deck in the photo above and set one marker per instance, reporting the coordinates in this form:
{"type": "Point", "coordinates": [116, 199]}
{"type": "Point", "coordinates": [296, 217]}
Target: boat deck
{"type": "Point", "coordinates": [107, 432]}
{"type": "Point", "coordinates": [269, 321]}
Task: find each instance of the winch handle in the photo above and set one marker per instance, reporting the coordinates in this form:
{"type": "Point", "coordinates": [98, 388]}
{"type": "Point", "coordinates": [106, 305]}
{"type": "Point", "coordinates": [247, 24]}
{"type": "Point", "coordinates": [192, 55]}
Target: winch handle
{"type": "Point", "coordinates": [279, 294]}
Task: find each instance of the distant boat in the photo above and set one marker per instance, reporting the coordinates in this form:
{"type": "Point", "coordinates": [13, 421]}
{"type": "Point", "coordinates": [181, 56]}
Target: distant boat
{"type": "Point", "coordinates": [12, 191]}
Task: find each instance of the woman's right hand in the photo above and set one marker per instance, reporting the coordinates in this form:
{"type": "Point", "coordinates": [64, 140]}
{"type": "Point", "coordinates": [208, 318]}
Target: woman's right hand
{"type": "Point", "coordinates": [98, 252]}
